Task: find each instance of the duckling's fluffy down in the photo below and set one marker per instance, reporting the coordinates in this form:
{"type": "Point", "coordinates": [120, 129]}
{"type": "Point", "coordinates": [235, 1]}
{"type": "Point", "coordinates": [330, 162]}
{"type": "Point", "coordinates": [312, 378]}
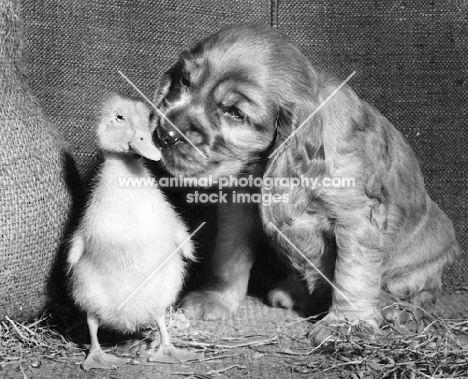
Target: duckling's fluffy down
{"type": "Point", "coordinates": [127, 234]}
{"type": "Point", "coordinates": [101, 289]}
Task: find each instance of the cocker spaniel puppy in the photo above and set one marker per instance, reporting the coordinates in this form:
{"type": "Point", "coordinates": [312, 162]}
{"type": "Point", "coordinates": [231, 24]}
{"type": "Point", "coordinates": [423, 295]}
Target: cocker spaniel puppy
{"type": "Point", "coordinates": [250, 102]}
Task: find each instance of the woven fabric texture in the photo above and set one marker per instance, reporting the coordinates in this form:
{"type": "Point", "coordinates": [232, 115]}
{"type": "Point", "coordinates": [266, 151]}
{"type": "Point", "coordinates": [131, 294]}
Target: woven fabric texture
{"type": "Point", "coordinates": [34, 199]}
{"type": "Point", "coordinates": [411, 62]}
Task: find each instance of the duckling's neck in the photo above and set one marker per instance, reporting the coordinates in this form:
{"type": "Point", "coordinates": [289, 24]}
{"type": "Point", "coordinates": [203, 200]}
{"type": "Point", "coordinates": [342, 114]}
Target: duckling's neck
{"type": "Point", "coordinates": [123, 165]}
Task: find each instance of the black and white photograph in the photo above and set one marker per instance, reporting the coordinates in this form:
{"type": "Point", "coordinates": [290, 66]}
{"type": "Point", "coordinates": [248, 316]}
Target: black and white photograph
{"type": "Point", "coordinates": [233, 189]}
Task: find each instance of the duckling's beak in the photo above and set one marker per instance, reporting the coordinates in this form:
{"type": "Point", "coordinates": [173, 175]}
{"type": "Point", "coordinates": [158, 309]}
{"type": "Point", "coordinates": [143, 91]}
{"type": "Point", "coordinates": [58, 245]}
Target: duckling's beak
{"type": "Point", "coordinates": [143, 144]}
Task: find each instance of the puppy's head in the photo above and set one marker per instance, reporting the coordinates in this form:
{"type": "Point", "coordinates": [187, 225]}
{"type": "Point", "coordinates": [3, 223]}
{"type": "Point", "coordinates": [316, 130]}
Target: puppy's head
{"type": "Point", "coordinates": [224, 99]}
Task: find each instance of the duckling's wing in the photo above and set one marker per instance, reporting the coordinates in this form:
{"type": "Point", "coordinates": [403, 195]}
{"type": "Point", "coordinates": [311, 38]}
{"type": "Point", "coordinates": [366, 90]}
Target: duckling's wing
{"type": "Point", "coordinates": [182, 239]}
{"type": "Point", "coordinates": [76, 249]}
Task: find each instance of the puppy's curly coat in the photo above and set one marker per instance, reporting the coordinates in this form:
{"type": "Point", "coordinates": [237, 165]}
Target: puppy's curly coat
{"type": "Point", "coordinates": [238, 95]}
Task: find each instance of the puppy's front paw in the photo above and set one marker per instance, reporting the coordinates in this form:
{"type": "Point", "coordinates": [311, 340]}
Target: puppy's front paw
{"type": "Point", "coordinates": [291, 294]}
{"type": "Point", "coordinates": [280, 298]}
{"type": "Point", "coordinates": [210, 305]}
{"type": "Point", "coordinates": [332, 326]}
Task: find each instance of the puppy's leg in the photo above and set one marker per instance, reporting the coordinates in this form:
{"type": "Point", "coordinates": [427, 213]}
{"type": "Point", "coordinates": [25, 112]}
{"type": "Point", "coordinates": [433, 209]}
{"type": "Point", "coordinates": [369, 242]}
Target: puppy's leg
{"type": "Point", "coordinates": [231, 263]}
{"type": "Point", "coordinates": [310, 236]}
{"type": "Point", "coordinates": [356, 291]}
{"type": "Point", "coordinates": [412, 275]}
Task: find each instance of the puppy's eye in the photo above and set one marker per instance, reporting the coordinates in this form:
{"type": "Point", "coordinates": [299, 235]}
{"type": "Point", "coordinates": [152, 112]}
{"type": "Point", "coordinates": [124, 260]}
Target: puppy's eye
{"type": "Point", "coordinates": [184, 82]}
{"type": "Point", "coordinates": [235, 113]}
{"type": "Point", "coordinates": [119, 117]}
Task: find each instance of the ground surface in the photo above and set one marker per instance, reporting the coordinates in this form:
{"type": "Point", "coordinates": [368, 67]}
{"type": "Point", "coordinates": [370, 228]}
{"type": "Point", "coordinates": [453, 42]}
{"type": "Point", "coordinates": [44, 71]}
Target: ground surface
{"type": "Point", "coordinates": [261, 342]}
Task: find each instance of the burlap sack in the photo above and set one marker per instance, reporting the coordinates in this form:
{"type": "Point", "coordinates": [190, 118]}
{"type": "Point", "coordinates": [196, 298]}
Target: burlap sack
{"type": "Point", "coordinates": [34, 199]}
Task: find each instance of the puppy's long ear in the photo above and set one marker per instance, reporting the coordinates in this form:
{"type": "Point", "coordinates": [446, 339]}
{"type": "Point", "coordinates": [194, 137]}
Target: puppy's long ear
{"type": "Point", "coordinates": [316, 138]}
{"type": "Point", "coordinates": [297, 152]}
{"type": "Point", "coordinates": [296, 132]}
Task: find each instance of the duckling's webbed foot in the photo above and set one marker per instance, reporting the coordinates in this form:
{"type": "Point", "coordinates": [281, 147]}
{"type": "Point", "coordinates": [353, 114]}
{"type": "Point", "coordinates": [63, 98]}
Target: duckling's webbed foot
{"type": "Point", "coordinates": [167, 352]}
{"type": "Point", "coordinates": [96, 357]}
{"type": "Point", "coordinates": [99, 359]}
{"type": "Point", "coordinates": [170, 354]}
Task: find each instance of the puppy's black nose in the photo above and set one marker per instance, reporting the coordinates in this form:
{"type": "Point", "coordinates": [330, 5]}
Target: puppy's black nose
{"type": "Point", "coordinates": [167, 137]}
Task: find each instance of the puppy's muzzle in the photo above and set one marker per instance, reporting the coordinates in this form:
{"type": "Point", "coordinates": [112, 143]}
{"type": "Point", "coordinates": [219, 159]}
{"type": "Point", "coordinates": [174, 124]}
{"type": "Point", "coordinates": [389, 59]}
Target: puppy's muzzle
{"type": "Point", "coordinates": [168, 135]}
{"type": "Point", "coordinates": [167, 138]}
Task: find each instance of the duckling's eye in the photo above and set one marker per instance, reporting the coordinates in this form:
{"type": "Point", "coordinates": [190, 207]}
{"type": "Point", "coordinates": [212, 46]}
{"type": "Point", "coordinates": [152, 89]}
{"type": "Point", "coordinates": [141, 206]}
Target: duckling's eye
{"type": "Point", "coordinates": [184, 82]}
{"type": "Point", "coordinates": [235, 113]}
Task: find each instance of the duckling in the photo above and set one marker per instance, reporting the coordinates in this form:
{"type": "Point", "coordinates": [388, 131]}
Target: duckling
{"type": "Point", "coordinates": [126, 238]}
